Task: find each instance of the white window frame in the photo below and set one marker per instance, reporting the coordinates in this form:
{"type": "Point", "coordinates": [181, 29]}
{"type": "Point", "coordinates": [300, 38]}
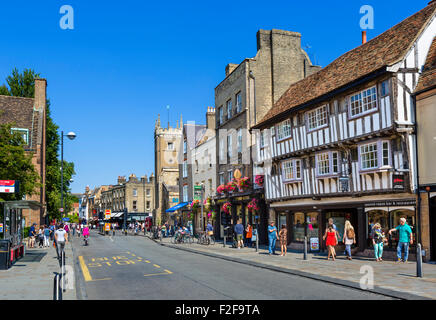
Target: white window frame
{"type": "Point", "coordinates": [382, 155]}
{"type": "Point", "coordinates": [229, 145]}
{"type": "Point", "coordinates": [229, 175]}
{"type": "Point", "coordinates": [22, 131]}
{"type": "Point", "coordinates": [135, 192]}
{"type": "Point", "coordinates": [359, 100]}
{"type": "Point", "coordinates": [323, 158]}
{"type": "Point", "coordinates": [284, 130]}
{"type": "Point", "coordinates": [221, 178]}
{"type": "Point", "coordinates": [221, 114]}
{"type": "Point", "coordinates": [229, 107]}
{"type": "Point", "coordinates": [238, 102]}
{"type": "Point", "coordinates": [185, 144]}
{"type": "Point", "coordinates": [292, 170]}
{"type": "Point", "coordinates": [317, 118]}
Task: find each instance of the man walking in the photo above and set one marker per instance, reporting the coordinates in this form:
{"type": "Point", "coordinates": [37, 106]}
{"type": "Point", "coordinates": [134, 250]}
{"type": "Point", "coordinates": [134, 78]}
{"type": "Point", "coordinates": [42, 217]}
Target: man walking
{"type": "Point", "coordinates": [272, 237]}
{"type": "Point", "coordinates": [405, 238]}
{"type": "Point", "coordinates": [239, 230]}
{"type": "Point", "coordinates": [61, 237]}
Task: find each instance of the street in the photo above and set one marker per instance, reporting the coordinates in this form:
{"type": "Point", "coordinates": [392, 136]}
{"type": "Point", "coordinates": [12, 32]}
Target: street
{"type": "Point", "coordinates": [134, 267]}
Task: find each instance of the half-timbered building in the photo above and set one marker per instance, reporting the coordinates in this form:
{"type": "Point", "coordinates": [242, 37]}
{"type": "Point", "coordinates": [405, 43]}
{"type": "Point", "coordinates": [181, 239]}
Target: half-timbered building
{"type": "Point", "coordinates": [341, 143]}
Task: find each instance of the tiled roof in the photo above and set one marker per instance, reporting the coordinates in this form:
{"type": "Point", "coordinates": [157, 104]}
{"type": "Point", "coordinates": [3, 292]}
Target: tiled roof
{"type": "Point", "coordinates": [428, 76]}
{"type": "Point", "coordinates": [384, 50]}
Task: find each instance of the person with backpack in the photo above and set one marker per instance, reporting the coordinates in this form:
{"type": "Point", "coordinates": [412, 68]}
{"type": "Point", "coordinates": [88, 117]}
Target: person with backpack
{"type": "Point", "coordinates": [349, 238]}
{"type": "Point", "coordinates": [377, 236]}
{"type": "Point", "coordinates": [46, 236]}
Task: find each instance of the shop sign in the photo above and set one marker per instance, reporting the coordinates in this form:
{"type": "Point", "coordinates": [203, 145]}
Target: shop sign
{"type": "Point", "coordinates": [8, 186]}
{"type": "Point", "coordinates": [391, 203]}
{"type": "Point", "coordinates": [107, 227]}
{"type": "Point", "coordinates": [107, 214]}
{"type": "Point", "coordinates": [398, 181]}
{"type": "Point", "coordinates": [314, 244]}
{"type": "Point", "coordinates": [197, 193]}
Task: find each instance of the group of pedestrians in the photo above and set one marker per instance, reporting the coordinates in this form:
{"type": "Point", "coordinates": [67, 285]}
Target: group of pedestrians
{"type": "Point", "coordinates": [41, 237]}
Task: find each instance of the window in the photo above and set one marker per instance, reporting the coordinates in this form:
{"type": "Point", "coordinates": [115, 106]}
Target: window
{"type": "Point", "coordinates": [185, 193]}
{"type": "Point", "coordinates": [238, 102]}
{"type": "Point", "coordinates": [317, 118]}
{"type": "Point", "coordinates": [229, 175]}
{"type": "Point", "coordinates": [221, 114]}
{"type": "Point", "coordinates": [284, 129]}
{"type": "Point", "coordinates": [374, 155]}
{"type": "Point", "coordinates": [184, 146]}
{"type": "Point", "coordinates": [134, 205]}
{"type": "Point", "coordinates": [135, 192]}
{"type": "Point", "coordinates": [147, 205]}
{"type": "Point", "coordinates": [185, 169]}
{"type": "Point", "coordinates": [24, 133]}
{"type": "Point", "coordinates": [170, 146]}
{"type": "Point", "coordinates": [229, 109]}
{"type": "Point", "coordinates": [229, 145]}
{"type": "Point", "coordinates": [221, 177]}
{"type": "Point", "coordinates": [222, 150]}
{"type": "Point", "coordinates": [327, 163]}
{"type": "Point", "coordinates": [385, 88]}
{"type": "Point", "coordinates": [263, 138]}
{"type": "Point", "coordinates": [291, 169]}
{"type": "Point", "coordinates": [363, 102]}
{"type": "Point", "coordinates": [148, 192]}
{"type": "Point", "coordinates": [239, 140]}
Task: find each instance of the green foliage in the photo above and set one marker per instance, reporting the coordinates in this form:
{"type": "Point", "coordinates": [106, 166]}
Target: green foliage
{"type": "Point", "coordinates": [16, 164]}
{"type": "Point", "coordinates": [22, 84]}
{"type": "Point", "coordinates": [4, 91]}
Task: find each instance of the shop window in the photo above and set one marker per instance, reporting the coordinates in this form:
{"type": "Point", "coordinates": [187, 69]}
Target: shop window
{"type": "Point", "coordinates": [410, 220]}
{"type": "Point", "coordinates": [298, 227]}
{"type": "Point", "coordinates": [312, 225]}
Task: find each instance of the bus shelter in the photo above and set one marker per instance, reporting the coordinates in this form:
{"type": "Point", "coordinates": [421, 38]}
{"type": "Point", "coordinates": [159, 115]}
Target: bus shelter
{"type": "Point", "coordinates": [12, 227]}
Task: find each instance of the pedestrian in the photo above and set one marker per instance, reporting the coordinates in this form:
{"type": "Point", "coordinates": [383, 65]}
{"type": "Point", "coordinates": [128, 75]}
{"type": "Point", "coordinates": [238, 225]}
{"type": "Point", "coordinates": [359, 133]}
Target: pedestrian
{"type": "Point", "coordinates": [248, 235]}
{"type": "Point", "coordinates": [73, 229]}
{"type": "Point", "coordinates": [272, 237]}
{"type": "Point", "coordinates": [41, 237]}
{"type": "Point", "coordinates": [61, 237]}
{"type": "Point", "coordinates": [349, 238]}
{"type": "Point", "coordinates": [331, 238]}
{"type": "Point", "coordinates": [67, 228]}
{"type": "Point", "coordinates": [239, 231]}
{"type": "Point", "coordinates": [52, 231]}
{"type": "Point", "coordinates": [78, 230]}
{"type": "Point", "coordinates": [32, 235]}
{"type": "Point", "coordinates": [331, 222]}
{"type": "Point", "coordinates": [164, 230]}
{"type": "Point", "coordinates": [405, 239]}
{"type": "Point", "coordinates": [283, 235]}
{"type": "Point", "coordinates": [47, 232]}
{"type": "Point", "coordinates": [377, 237]}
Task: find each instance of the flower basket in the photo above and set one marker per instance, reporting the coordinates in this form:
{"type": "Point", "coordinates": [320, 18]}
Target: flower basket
{"type": "Point", "coordinates": [221, 189]}
{"type": "Point", "coordinates": [253, 205]}
{"type": "Point", "coordinates": [259, 180]}
{"type": "Point", "coordinates": [226, 207]}
{"type": "Point", "coordinates": [231, 186]}
{"type": "Point", "coordinates": [244, 183]}
{"type": "Point", "coordinates": [194, 205]}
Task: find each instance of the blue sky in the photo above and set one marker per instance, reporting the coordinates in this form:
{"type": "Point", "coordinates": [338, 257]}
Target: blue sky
{"type": "Point", "coordinates": [126, 60]}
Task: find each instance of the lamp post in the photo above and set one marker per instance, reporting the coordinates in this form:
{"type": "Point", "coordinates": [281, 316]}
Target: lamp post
{"type": "Point", "coordinates": [71, 135]}
{"type": "Point", "coordinates": [202, 196]}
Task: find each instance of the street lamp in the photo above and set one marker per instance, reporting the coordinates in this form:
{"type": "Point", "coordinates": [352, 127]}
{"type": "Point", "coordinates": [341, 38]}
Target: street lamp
{"type": "Point", "coordinates": [71, 135]}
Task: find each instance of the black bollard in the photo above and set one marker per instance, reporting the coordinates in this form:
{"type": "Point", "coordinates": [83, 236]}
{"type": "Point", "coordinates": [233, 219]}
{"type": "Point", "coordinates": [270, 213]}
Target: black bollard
{"type": "Point", "coordinates": [305, 248]}
{"type": "Point", "coordinates": [418, 261]}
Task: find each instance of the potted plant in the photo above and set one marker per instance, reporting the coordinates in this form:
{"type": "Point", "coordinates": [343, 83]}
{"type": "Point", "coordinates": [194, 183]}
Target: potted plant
{"type": "Point", "coordinates": [253, 205]}
{"type": "Point", "coordinates": [231, 186]}
{"type": "Point", "coordinates": [259, 180]}
{"type": "Point", "coordinates": [194, 205]}
{"type": "Point", "coordinates": [221, 189]}
{"type": "Point", "coordinates": [226, 207]}
{"type": "Point", "coordinates": [244, 183]}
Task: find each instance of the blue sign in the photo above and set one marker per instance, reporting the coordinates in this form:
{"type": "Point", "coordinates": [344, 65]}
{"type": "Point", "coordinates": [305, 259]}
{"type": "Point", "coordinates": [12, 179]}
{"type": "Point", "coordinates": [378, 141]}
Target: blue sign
{"type": "Point", "coordinates": [65, 219]}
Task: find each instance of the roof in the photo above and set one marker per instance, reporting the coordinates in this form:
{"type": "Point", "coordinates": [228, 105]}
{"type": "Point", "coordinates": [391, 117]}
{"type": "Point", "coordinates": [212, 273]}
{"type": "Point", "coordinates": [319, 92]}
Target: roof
{"type": "Point", "coordinates": [427, 79]}
{"type": "Point", "coordinates": [193, 133]}
{"type": "Point", "coordinates": [384, 50]}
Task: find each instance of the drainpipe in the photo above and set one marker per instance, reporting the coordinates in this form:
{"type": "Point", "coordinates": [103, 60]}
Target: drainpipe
{"type": "Point", "coordinates": [418, 225]}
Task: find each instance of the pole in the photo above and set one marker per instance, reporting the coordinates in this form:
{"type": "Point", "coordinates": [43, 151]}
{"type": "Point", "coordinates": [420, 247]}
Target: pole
{"type": "Point", "coordinates": [305, 247]}
{"type": "Point", "coordinates": [257, 240]}
{"type": "Point", "coordinates": [418, 261]}
{"type": "Point", "coordinates": [202, 196]}
{"type": "Point", "coordinates": [225, 236]}
{"type": "Point", "coordinates": [62, 173]}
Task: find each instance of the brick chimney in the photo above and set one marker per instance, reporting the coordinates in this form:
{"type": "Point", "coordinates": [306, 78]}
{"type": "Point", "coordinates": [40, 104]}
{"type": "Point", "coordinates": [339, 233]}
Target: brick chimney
{"type": "Point", "coordinates": [363, 36]}
{"type": "Point", "coordinates": [40, 94]}
{"type": "Point", "coordinates": [210, 118]}
{"type": "Point", "coordinates": [121, 179]}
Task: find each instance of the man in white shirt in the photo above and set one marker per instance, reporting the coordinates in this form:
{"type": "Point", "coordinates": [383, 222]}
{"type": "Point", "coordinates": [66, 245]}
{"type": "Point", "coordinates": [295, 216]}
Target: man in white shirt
{"type": "Point", "coordinates": [61, 237]}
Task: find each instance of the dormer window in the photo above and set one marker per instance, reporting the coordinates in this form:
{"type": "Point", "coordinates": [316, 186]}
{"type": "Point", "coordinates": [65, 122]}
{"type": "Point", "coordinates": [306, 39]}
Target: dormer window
{"type": "Point", "coordinates": [317, 118]}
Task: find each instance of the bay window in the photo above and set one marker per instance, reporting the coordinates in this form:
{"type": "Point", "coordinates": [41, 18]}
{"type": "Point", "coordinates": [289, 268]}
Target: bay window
{"type": "Point", "coordinates": [327, 163]}
{"type": "Point", "coordinates": [291, 170]}
{"type": "Point", "coordinates": [284, 129]}
{"type": "Point", "coordinates": [374, 155]}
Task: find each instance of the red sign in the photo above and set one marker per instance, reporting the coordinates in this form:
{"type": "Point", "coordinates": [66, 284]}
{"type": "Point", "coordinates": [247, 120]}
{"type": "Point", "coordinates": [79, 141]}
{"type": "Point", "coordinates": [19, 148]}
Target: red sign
{"type": "Point", "coordinates": [7, 186]}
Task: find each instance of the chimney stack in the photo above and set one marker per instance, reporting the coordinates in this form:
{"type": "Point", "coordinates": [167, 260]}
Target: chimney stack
{"type": "Point", "coordinates": [363, 36]}
{"type": "Point", "coordinates": [210, 118]}
{"type": "Point", "coordinates": [40, 94]}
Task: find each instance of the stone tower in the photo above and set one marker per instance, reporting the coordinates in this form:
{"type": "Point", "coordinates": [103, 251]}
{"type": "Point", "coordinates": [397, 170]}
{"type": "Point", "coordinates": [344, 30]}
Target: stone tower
{"type": "Point", "coordinates": [167, 143]}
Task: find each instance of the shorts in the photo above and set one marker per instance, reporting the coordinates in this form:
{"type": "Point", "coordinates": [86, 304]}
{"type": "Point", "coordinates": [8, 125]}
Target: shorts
{"type": "Point", "coordinates": [239, 237]}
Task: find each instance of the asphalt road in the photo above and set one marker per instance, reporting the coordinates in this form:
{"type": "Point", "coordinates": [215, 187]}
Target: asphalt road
{"type": "Point", "coordinates": [134, 267]}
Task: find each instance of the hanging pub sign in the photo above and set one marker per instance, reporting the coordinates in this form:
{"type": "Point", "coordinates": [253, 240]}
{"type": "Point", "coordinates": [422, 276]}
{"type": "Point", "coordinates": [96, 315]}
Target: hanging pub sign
{"type": "Point", "coordinates": [343, 183]}
{"type": "Point", "coordinates": [9, 186]}
{"type": "Point", "coordinates": [398, 181]}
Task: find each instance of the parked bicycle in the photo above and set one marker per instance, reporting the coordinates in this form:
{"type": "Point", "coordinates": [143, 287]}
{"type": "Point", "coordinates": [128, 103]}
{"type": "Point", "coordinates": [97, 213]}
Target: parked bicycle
{"type": "Point", "coordinates": [206, 238]}
{"type": "Point", "coordinates": [181, 237]}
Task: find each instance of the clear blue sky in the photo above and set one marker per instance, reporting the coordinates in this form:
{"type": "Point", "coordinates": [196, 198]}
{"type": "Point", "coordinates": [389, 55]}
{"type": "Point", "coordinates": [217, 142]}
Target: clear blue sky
{"type": "Point", "coordinates": [126, 60]}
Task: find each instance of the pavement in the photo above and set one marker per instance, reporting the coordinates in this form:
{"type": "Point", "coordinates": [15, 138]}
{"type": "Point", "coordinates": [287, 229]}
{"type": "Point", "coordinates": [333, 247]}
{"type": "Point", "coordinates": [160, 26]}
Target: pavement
{"type": "Point", "coordinates": [32, 277]}
{"type": "Point", "coordinates": [395, 279]}
{"type": "Point", "coordinates": [136, 268]}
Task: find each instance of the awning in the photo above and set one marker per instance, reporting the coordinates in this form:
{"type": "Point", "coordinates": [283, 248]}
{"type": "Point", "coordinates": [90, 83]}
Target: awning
{"type": "Point", "coordinates": [177, 207]}
{"type": "Point", "coordinates": [117, 214]}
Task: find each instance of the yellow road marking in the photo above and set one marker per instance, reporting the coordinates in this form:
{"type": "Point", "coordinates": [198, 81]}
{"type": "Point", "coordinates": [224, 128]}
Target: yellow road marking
{"type": "Point", "coordinates": [155, 274]}
{"type": "Point", "coordinates": [85, 270]}
{"type": "Point", "coordinates": [147, 261]}
{"type": "Point", "coordinates": [156, 266]}
{"type": "Point", "coordinates": [168, 271]}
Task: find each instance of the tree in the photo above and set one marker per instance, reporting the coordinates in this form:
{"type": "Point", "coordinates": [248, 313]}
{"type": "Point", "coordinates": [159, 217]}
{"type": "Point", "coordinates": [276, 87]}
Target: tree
{"type": "Point", "coordinates": [23, 85]}
{"type": "Point", "coordinates": [16, 164]}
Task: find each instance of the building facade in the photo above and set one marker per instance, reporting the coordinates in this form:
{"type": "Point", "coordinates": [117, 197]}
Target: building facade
{"type": "Point", "coordinates": [29, 118]}
{"type": "Point", "coordinates": [242, 99]}
{"type": "Point", "coordinates": [167, 142]}
{"type": "Point", "coordinates": [340, 143]}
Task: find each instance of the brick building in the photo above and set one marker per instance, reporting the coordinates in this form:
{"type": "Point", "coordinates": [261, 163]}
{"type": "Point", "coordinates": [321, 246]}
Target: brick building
{"type": "Point", "coordinates": [29, 118]}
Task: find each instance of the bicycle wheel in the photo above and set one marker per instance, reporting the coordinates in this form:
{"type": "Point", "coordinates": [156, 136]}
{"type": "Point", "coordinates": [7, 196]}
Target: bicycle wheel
{"type": "Point", "coordinates": [212, 240]}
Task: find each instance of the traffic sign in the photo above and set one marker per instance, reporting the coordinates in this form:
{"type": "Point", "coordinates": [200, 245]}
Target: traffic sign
{"type": "Point", "coordinates": [8, 186]}
{"type": "Point", "coordinates": [66, 219]}
{"type": "Point", "coordinates": [61, 209]}
{"type": "Point", "coordinates": [107, 227]}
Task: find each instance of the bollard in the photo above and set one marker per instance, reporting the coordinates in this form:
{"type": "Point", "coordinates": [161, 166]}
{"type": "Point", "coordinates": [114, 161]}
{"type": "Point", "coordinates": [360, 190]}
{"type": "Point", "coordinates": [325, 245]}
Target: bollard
{"type": "Point", "coordinates": [257, 241]}
{"type": "Point", "coordinates": [418, 261]}
{"type": "Point", "coordinates": [225, 236]}
{"type": "Point", "coordinates": [305, 248]}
